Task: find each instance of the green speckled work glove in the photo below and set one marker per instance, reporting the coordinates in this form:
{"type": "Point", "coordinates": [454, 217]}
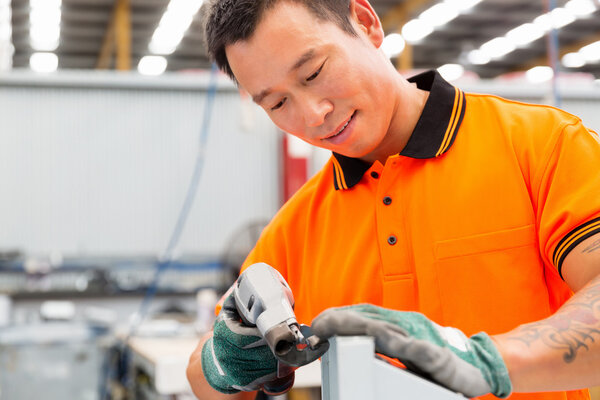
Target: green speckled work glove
{"type": "Point", "coordinates": [237, 358]}
{"type": "Point", "coordinates": [471, 366]}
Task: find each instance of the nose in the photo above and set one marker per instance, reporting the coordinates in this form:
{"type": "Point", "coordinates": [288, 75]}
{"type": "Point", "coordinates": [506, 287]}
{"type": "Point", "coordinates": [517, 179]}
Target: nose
{"type": "Point", "coordinates": [316, 110]}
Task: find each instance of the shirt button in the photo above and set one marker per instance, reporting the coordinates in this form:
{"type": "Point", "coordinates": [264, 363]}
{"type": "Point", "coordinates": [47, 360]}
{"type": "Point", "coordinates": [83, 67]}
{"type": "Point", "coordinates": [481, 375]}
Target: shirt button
{"type": "Point", "coordinates": [387, 200]}
{"type": "Point", "coordinates": [392, 240]}
{"type": "Point", "coordinates": [374, 175]}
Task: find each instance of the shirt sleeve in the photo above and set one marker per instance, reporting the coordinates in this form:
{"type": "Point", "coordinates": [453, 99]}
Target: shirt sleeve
{"type": "Point", "coordinates": [568, 192]}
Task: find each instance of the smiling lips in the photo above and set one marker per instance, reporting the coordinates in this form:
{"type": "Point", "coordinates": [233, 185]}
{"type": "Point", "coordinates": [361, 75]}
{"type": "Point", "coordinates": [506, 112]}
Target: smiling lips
{"type": "Point", "coordinates": [341, 129]}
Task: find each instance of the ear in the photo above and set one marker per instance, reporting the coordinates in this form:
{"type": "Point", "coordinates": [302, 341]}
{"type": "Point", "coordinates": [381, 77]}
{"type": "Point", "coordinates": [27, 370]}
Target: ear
{"type": "Point", "coordinates": [365, 17]}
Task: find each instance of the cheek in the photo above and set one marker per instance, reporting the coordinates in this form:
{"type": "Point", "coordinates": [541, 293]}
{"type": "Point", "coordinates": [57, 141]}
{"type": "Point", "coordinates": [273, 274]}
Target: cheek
{"type": "Point", "coordinates": [340, 87]}
{"type": "Point", "coordinates": [287, 122]}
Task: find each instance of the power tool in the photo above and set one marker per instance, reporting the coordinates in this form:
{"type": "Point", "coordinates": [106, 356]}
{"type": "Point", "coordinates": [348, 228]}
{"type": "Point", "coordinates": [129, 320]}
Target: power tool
{"type": "Point", "coordinates": [264, 299]}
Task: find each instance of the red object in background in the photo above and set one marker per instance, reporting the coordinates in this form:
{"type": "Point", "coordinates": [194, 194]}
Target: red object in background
{"type": "Point", "coordinates": [295, 170]}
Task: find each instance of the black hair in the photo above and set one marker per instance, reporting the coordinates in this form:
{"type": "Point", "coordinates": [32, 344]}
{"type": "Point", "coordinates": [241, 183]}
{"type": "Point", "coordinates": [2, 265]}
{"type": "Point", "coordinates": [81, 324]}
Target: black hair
{"type": "Point", "coordinates": [229, 21]}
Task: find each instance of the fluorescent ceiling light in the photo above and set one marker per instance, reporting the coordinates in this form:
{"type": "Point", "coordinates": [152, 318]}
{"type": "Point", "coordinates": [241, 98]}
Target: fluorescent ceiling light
{"type": "Point", "coordinates": [436, 15]}
{"type": "Point", "coordinates": [439, 14]}
{"type": "Point", "coordinates": [44, 24]}
{"type": "Point", "coordinates": [176, 20]}
{"type": "Point", "coordinates": [173, 25]}
{"type": "Point", "coordinates": [165, 41]}
{"type": "Point", "coordinates": [44, 39]}
{"type": "Point", "coordinates": [497, 47]}
{"type": "Point", "coordinates": [5, 25]}
{"type": "Point", "coordinates": [189, 5]}
{"type": "Point", "coordinates": [580, 8]}
{"type": "Point", "coordinates": [5, 31]}
{"type": "Point", "coordinates": [415, 30]}
{"type": "Point", "coordinates": [573, 60]}
{"type": "Point", "coordinates": [539, 74]}
{"type": "Point", "coordinates": [45, 18]}
{"type": "Point", "coordinates": [45, 4]}
{"type": "Point", "coordinates": [544, 22]}
{"type": "Point", "coordinates": [591, 52]}
{"type": "Point", "coordinates": [556, 19]}
{"type": "Point", "coordinates": [561, 17]}
{"type": "Point", "coordinates": [527, 33]}
{"type": "Point", "coordinates": [43, 62]}
{"type": "Point", "coordinates": [451, 72]}
{"type": "Point", "coordinates": [6, 46]}
{"type": "Point", "coordinates": [463, 5]}
{"type": "Point", "coordinates": [524, 34]}
{"type": "Point", "coordinates": [152, 65]}
{"type": "Point", "coordinates": [162, 48]}
{"type": "Point", "coordinates": [393, 44]}
{"type": "Point", "coordinates": [478, 57]}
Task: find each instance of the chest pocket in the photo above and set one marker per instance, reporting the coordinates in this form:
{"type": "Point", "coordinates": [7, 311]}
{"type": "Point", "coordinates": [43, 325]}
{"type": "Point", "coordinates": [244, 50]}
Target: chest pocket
{"type": "Point", "coordinates": [492, 281]}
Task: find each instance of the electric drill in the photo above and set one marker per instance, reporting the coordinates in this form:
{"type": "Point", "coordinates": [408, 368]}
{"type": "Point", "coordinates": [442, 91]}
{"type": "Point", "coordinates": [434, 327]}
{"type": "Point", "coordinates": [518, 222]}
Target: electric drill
{"type": "Point", "coordinates": [264, 299]}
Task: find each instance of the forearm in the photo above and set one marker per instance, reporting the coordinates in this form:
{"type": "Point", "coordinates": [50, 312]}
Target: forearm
{"type": "Point", "coordinates": [198, 382]}
{"type": "Point", "coordinates": [561, 352]}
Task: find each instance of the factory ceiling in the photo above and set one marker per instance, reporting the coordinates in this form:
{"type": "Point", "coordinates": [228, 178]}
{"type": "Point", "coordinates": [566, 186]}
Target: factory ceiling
{"type": "Point", "coordinates": [474, 35]}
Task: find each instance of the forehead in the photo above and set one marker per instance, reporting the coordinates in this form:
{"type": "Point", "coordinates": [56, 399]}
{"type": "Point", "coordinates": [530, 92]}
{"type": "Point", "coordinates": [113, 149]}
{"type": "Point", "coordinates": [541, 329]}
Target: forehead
{"type": "Point", "coordinates": [284, 33]}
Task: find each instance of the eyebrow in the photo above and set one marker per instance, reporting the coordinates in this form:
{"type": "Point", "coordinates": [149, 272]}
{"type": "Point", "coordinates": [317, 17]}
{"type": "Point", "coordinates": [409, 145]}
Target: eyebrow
{"type": "Point", "coordinates": [304, 58]}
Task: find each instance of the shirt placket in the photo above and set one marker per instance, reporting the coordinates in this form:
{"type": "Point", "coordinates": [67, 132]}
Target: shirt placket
{"type": "Point", "coordinates": [393, 240]}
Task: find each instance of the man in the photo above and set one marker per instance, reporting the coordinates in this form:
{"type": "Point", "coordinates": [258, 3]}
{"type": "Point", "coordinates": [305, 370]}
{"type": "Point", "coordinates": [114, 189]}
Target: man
{"type": "Point", "coordinates": [480, 213]}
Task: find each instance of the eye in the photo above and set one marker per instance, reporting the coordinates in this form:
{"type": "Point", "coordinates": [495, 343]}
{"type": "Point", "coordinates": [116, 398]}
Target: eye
{"type": "Point", "coordinates": [278, 105]}
{"type": "Point", "coordinates": [317, 72]}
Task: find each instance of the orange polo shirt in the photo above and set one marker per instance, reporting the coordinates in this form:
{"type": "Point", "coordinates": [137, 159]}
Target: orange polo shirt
{"type": "Point", "coordinates": [469, 224]}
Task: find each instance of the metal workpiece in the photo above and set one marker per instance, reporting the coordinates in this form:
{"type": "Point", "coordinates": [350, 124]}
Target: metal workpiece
{"type": "Point", "coordinates": [351, 371]}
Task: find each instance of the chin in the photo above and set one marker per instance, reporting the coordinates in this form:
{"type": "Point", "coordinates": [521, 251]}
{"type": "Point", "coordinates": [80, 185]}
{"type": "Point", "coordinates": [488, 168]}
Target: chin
{"type": "Point", "coordinates": [363, 152]}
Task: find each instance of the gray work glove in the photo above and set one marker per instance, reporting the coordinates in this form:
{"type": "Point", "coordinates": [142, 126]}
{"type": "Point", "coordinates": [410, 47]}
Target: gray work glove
{"type": "Point", "coordinates": [471, 366]}
{"type": "Point", "coordinates": [237, 358]}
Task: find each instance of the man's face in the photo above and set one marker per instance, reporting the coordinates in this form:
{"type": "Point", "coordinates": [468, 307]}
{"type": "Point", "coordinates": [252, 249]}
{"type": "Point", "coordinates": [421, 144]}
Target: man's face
{"type": "Point", "coordinates": [316, 81]}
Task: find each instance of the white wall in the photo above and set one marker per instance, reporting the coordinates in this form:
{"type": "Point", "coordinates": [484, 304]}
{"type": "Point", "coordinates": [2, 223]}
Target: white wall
{"type": "Point", "coordinates": [100, 164]}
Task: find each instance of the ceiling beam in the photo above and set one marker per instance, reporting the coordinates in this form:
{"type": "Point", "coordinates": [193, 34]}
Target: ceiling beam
{"type": "Point", "coordinates": [123, 34]}
{"type": "Point", "coordinates": [117, 38]}
{"type": "Point", "coordinates": [108, 46]}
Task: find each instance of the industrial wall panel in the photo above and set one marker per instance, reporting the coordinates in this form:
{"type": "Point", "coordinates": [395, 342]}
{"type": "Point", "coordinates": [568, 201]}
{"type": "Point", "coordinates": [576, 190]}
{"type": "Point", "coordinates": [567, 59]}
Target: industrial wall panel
{"type": "Point", "coordinates": [581, 99]}
{"type": "Point", "coordinates": [104, 168]}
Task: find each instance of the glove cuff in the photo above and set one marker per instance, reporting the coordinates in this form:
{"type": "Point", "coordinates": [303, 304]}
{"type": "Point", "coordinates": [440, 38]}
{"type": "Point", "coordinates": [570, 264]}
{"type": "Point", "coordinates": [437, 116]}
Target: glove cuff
{"type": "Point", "coordinates": [213, 372]}
{"type": "Point", "coordinates": [495, 373]}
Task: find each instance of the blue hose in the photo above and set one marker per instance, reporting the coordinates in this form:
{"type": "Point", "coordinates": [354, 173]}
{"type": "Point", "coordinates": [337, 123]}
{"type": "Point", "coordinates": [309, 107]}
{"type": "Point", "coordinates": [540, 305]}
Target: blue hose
{"type": "Point", "coordinates": [166, 259]}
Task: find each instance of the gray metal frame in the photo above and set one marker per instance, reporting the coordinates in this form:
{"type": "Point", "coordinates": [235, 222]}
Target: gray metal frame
{"type": "Point", "coordinates": [350, 371]}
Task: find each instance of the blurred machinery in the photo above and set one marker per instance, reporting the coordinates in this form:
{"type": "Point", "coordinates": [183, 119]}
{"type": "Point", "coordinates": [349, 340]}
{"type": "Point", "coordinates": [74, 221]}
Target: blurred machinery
{"type": "Point", "coordinates": [157, 367]}
{"type": "Point", "coordinates": [51, 342]}
{"type": "Point", "coordinates": [60, 360]}
{"type": "Point", "coordinates": [100, 277]}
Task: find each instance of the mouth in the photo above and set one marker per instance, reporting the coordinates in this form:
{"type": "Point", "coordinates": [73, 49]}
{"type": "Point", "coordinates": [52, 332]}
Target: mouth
{"type": "Point", "coordinates": [340, 129]}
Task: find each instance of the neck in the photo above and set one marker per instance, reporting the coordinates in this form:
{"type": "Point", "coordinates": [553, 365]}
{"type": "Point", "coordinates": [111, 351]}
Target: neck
{"type": "Point", "coordinates": [409, 105]}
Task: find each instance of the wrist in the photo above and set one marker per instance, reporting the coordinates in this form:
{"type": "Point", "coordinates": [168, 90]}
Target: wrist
{"type": "Point", "coordinates": [515, 355]}
{"type": "Point", "coordinates": [494, 366]}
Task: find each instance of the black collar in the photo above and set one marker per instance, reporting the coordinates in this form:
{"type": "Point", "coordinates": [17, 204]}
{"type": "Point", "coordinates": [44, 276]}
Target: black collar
{"type": "Point", "coordinates": [433, 135]}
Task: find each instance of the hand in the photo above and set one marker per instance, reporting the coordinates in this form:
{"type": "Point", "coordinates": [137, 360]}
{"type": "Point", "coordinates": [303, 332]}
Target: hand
{"type": "Point", "coordinates": [471, 366]}
{"type": "Point", "coordinates": [237, 358]}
